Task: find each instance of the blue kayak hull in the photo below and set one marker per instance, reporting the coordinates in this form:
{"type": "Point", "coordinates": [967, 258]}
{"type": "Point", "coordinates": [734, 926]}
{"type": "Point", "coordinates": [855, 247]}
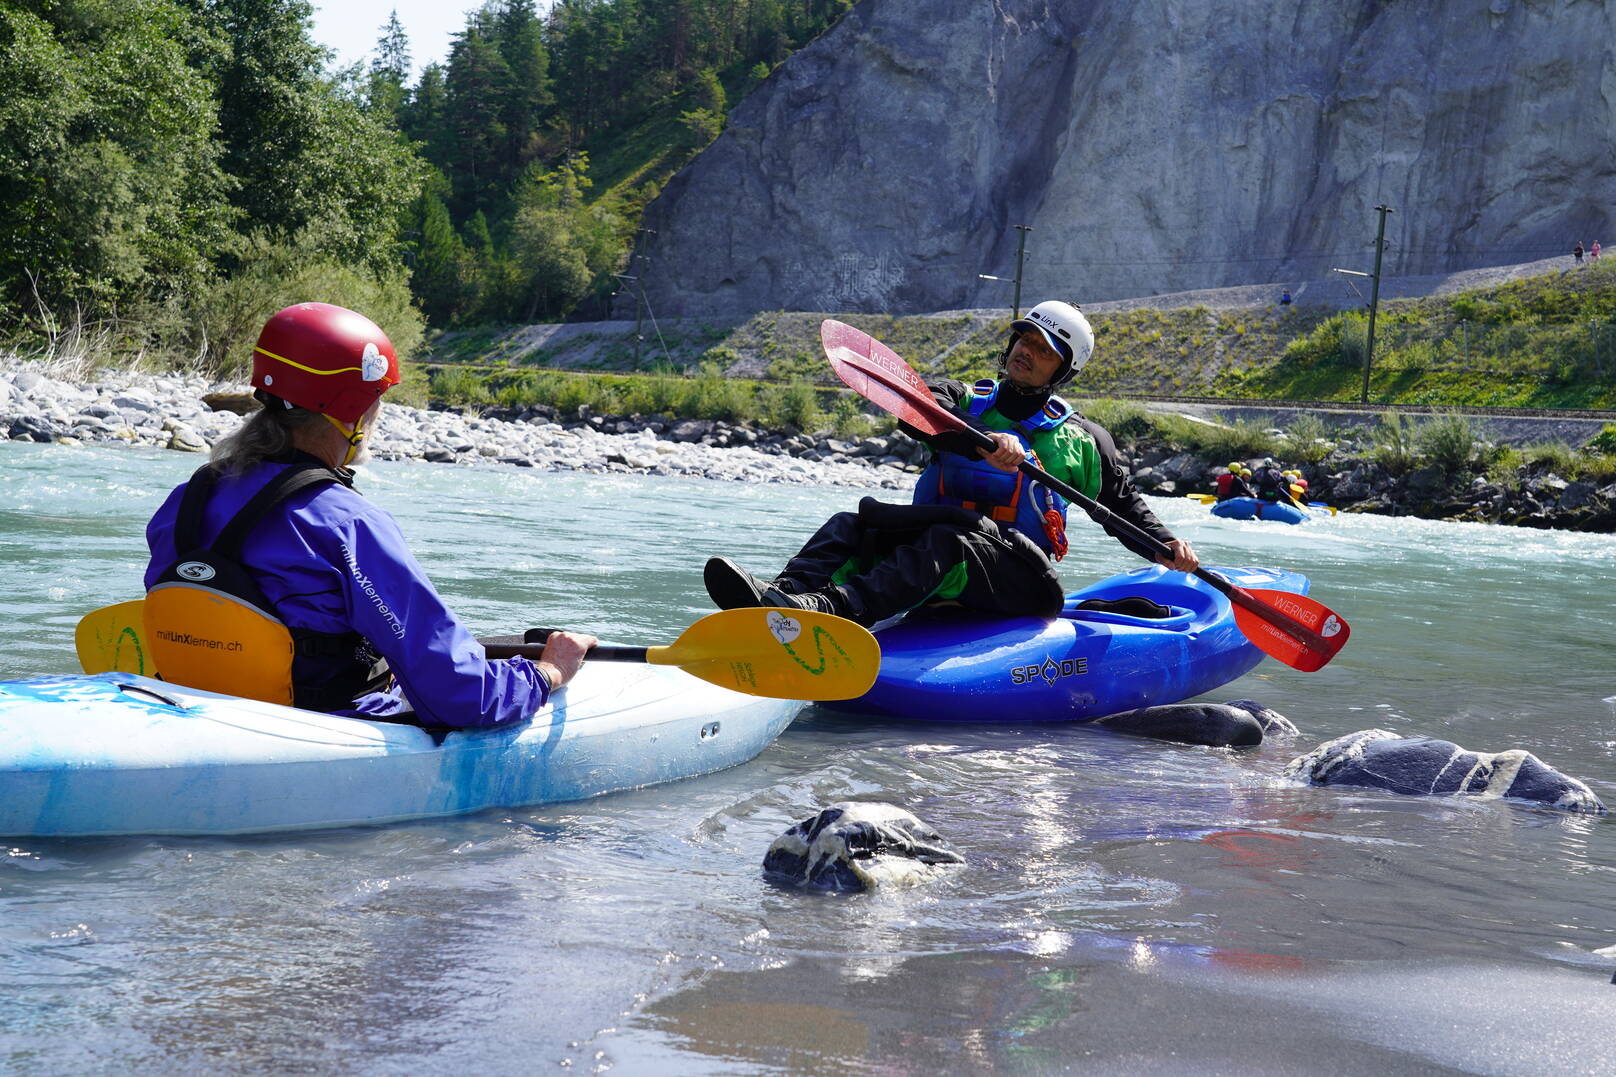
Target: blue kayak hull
{"type": "Point", "coordinates": [120, 754]}
{"type": "Point", "coordinates": [951, 667]}
{"type": "Point", "coordinates": [1252, 508]}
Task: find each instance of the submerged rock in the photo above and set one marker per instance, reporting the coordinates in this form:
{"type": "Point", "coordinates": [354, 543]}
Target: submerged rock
{"type": "Point", "coordinates": [1239, 723]}
{"type": "Point", "coordinates": [1423, 766]}
{"type": "Point", "coordinates": [858, 846]}
{"type": "Point", "coordinates": [1274, 724]}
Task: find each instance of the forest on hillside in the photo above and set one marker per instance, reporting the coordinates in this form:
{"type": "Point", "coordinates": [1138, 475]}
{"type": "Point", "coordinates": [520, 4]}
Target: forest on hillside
{"type": "Point", "coordinates": [172, 171]}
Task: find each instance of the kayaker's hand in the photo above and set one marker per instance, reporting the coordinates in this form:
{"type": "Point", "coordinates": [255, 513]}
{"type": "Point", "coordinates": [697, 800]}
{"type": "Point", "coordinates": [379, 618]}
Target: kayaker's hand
{"type": "Point", "coordinates": [1183, 559]}
{"type": "Point", "coordinates": [1009, 454]}
{"type": "Point", "coordinates": [563, 654]}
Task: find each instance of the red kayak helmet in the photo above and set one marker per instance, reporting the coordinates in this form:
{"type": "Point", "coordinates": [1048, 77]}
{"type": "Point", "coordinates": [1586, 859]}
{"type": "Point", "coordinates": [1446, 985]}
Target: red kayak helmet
{"type": "Point", "coordinates": [326, 359]}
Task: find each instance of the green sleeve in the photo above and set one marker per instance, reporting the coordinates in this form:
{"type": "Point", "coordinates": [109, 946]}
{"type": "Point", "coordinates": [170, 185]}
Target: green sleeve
{"type": "Point", "coordinates": [1069, 454]}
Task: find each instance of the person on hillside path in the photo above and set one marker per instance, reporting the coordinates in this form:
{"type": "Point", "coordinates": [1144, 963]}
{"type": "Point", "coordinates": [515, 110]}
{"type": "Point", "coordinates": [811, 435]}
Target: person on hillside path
{"type": "Point", "coordinates": [1576, 252]}
{"type": "Point", "coordinates": [1285, 298]}
{"type": "Point", "coordinates": [1593, 252]}
{"type": "Point", "coordinates": [271, 577]}
{"type": "Point", "coordinates": [978, 533]}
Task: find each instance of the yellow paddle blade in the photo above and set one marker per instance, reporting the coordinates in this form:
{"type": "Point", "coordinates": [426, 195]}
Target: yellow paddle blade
{"type": "Point", "coordinates": [1205, 499]}
{"type": "Point", "coordinates": [786, 654]}
{"type": "Point", "coordinates": [110, 640]}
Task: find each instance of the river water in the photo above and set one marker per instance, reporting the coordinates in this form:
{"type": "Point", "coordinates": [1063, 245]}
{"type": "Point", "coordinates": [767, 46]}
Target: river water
{"type": "Point", "coordinates": [1126, 906]}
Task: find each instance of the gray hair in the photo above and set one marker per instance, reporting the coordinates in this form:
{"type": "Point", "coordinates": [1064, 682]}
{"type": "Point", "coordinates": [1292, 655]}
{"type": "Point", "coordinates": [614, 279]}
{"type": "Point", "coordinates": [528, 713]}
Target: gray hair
{"type": "Point", "coordinates": [267, 433]}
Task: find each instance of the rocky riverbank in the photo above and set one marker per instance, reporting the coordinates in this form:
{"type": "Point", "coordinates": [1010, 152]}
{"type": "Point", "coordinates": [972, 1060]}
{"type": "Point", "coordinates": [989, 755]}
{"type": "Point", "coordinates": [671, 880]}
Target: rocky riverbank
{"type": "Point", "coordinates": [1351, 479]}
{"type": "Point", "coordinates": [189, 413]}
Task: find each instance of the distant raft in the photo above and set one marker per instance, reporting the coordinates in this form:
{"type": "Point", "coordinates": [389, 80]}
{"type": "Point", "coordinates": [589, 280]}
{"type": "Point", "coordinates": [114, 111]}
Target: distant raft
{"type": "Point", "coordinates": [1422, 766]}
{"type": "Point", "coordinates": [854, 846]}
{"type": "Point", "coordinates": [1253, 508]}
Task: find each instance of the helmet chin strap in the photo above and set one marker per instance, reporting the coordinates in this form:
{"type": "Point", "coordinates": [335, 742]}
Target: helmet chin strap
{"type": "Point", "coordinates": [354, 437]}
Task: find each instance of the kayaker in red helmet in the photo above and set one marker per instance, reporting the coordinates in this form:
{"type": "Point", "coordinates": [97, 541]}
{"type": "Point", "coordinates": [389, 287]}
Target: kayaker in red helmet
{"type": "Point", "coordinates": [978, 533]}
{"type": "Point", "coordinates": [272, 578]}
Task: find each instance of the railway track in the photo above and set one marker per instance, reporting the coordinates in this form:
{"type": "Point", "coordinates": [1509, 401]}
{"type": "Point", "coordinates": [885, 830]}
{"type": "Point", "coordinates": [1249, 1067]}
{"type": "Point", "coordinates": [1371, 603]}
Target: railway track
{"type": "Point", "coordinates": [1354, 406]}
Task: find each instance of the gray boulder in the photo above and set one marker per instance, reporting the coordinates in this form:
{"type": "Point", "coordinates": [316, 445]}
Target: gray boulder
{"type": "Point", "coordinates": [1423, 766]}
{"type": "Point", "coordinates": [854, 846]}
{"type": "Point", "coordinates": [1240, 723]}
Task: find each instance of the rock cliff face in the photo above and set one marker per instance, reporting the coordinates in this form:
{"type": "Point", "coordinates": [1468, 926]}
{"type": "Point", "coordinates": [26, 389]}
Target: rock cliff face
{"type": "Point", "coordinates": [1152, 145]}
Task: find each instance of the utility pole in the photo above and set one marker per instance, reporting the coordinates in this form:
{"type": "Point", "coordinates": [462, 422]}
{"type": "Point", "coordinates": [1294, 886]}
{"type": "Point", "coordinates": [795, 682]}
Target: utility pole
{"type": "Point", "coordinates": [637, 280]}
{"type": "Point", "coordinates": [1021, 254]}
{"type": "Point", "coordinates": [1374, 297]}
{"type": "Point", "coordinates": [639, 306]}
{"type": "Point", "coordinates": [1374, 300]}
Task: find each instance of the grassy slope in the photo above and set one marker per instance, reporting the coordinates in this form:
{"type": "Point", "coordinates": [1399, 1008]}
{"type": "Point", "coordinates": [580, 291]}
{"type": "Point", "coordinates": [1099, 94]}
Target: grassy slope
{"type": "Point", "coordinates": [1542, 342]}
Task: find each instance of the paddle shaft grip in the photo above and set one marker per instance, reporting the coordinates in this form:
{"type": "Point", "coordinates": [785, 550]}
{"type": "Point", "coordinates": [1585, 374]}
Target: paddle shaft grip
{"type": "Point", "coordinates": [600, 652]}
{"type": "Point", "coordinates": [1238, 595]}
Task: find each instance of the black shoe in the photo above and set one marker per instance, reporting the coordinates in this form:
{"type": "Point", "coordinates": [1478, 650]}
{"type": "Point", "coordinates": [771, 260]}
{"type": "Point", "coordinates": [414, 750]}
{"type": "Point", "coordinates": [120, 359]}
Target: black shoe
{"type": "Point", "coordinates": [812, 601]}
{"type": "Point", "coordinates": [730, 586]}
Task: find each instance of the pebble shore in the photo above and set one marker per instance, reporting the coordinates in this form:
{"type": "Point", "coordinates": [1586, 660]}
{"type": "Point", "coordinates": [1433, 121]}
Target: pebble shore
{"type": "Point", "coordinates": [189, 413]}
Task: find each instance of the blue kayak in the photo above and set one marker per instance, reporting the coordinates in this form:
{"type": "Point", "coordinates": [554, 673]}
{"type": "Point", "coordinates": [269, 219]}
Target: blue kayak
{"type": "Point", "coordinates": [1253, 508]}
{"type": "Point", "coordinates": [944, 665]}
{"type": "Point", "coordinates": [116, 753]}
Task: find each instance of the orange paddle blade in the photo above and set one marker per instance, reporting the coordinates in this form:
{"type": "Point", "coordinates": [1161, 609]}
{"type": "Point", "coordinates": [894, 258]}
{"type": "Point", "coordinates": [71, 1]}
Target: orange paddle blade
{"type": "Point", "coordinates": [1327, 633]}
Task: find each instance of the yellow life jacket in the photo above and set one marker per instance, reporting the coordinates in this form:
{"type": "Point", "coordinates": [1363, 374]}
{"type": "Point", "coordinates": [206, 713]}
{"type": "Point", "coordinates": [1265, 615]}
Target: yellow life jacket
{"type": "Point", "coordinates": [210, 626]}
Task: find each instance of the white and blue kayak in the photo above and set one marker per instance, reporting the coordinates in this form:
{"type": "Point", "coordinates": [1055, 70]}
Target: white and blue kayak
{"type": "Point", "coordinates": [116, 753]}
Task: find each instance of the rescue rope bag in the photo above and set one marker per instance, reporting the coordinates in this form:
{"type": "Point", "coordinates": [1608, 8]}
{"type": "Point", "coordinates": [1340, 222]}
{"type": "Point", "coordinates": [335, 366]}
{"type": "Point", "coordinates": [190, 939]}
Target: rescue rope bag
{"type": "Point", "coordinates": [210, 626]}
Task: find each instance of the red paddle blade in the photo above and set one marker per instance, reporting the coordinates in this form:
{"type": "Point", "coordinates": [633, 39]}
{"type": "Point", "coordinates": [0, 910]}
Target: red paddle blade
{"type": "Point", "coordinates": [879, 375]}
{"type": "Point", "coordinates": [1328, 631]}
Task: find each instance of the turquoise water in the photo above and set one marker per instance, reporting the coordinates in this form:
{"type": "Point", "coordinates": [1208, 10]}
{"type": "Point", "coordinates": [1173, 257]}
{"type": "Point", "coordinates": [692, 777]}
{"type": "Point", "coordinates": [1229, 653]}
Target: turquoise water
{"type": "Point", "coordinates": [1126, 906]}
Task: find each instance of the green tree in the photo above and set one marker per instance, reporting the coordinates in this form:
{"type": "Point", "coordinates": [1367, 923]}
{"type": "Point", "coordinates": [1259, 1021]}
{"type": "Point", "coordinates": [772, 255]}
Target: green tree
{"type": "Point", "coordinates": [110, 187]}
{"type": "Point", "coordinates": [526, 100]}
{"type": "Point", "coordinates": [424, 116]}
{"type": "Point", "coordinates": [475, 84]}
{"type": "Point", "coordinates": [439, 276]}
{"type": "Point", "coordinates": [559, 245]}
{"type": "Point", "coordinates": [304, 157]}
{"type": "Point", "coordinates": [708, 93]}
{"type": "Point", "coordinates": [390, 71]}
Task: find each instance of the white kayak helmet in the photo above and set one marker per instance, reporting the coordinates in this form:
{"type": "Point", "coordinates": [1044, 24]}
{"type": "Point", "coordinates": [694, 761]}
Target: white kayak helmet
{"type": "Point", "coordinates": [1065, 329]}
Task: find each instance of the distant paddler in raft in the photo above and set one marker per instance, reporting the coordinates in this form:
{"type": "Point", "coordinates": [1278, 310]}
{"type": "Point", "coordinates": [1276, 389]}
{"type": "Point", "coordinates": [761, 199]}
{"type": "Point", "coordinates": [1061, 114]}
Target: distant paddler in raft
{"type": "Point", "coordinates": [979, 533]}
{"type": "Point", "coordinates": [274, 526]}
{"type": "Point", "coordinates": [1232, 483]}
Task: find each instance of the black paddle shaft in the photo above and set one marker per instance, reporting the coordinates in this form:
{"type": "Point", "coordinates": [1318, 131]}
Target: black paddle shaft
{"type": "Point", "coordinates": [531, 645]}
{"type": "Point", "coordinates": [1239, 596]}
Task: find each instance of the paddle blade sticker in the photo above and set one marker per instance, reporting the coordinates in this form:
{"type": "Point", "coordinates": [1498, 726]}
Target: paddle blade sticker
{"type": "Point", "coordinates": [786, 654]}
{"type": "Point", "coordinates": [783, 628]}
{"type": "Point", "coordinates": [1326, 630]}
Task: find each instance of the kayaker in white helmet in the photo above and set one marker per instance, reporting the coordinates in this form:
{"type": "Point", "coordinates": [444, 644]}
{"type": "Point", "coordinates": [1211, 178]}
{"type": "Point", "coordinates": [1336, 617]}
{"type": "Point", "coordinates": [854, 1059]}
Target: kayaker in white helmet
{"type": "Point", "coordinates": [978, 533]}
{"type": "Point", "coordinates": [271, 578]}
